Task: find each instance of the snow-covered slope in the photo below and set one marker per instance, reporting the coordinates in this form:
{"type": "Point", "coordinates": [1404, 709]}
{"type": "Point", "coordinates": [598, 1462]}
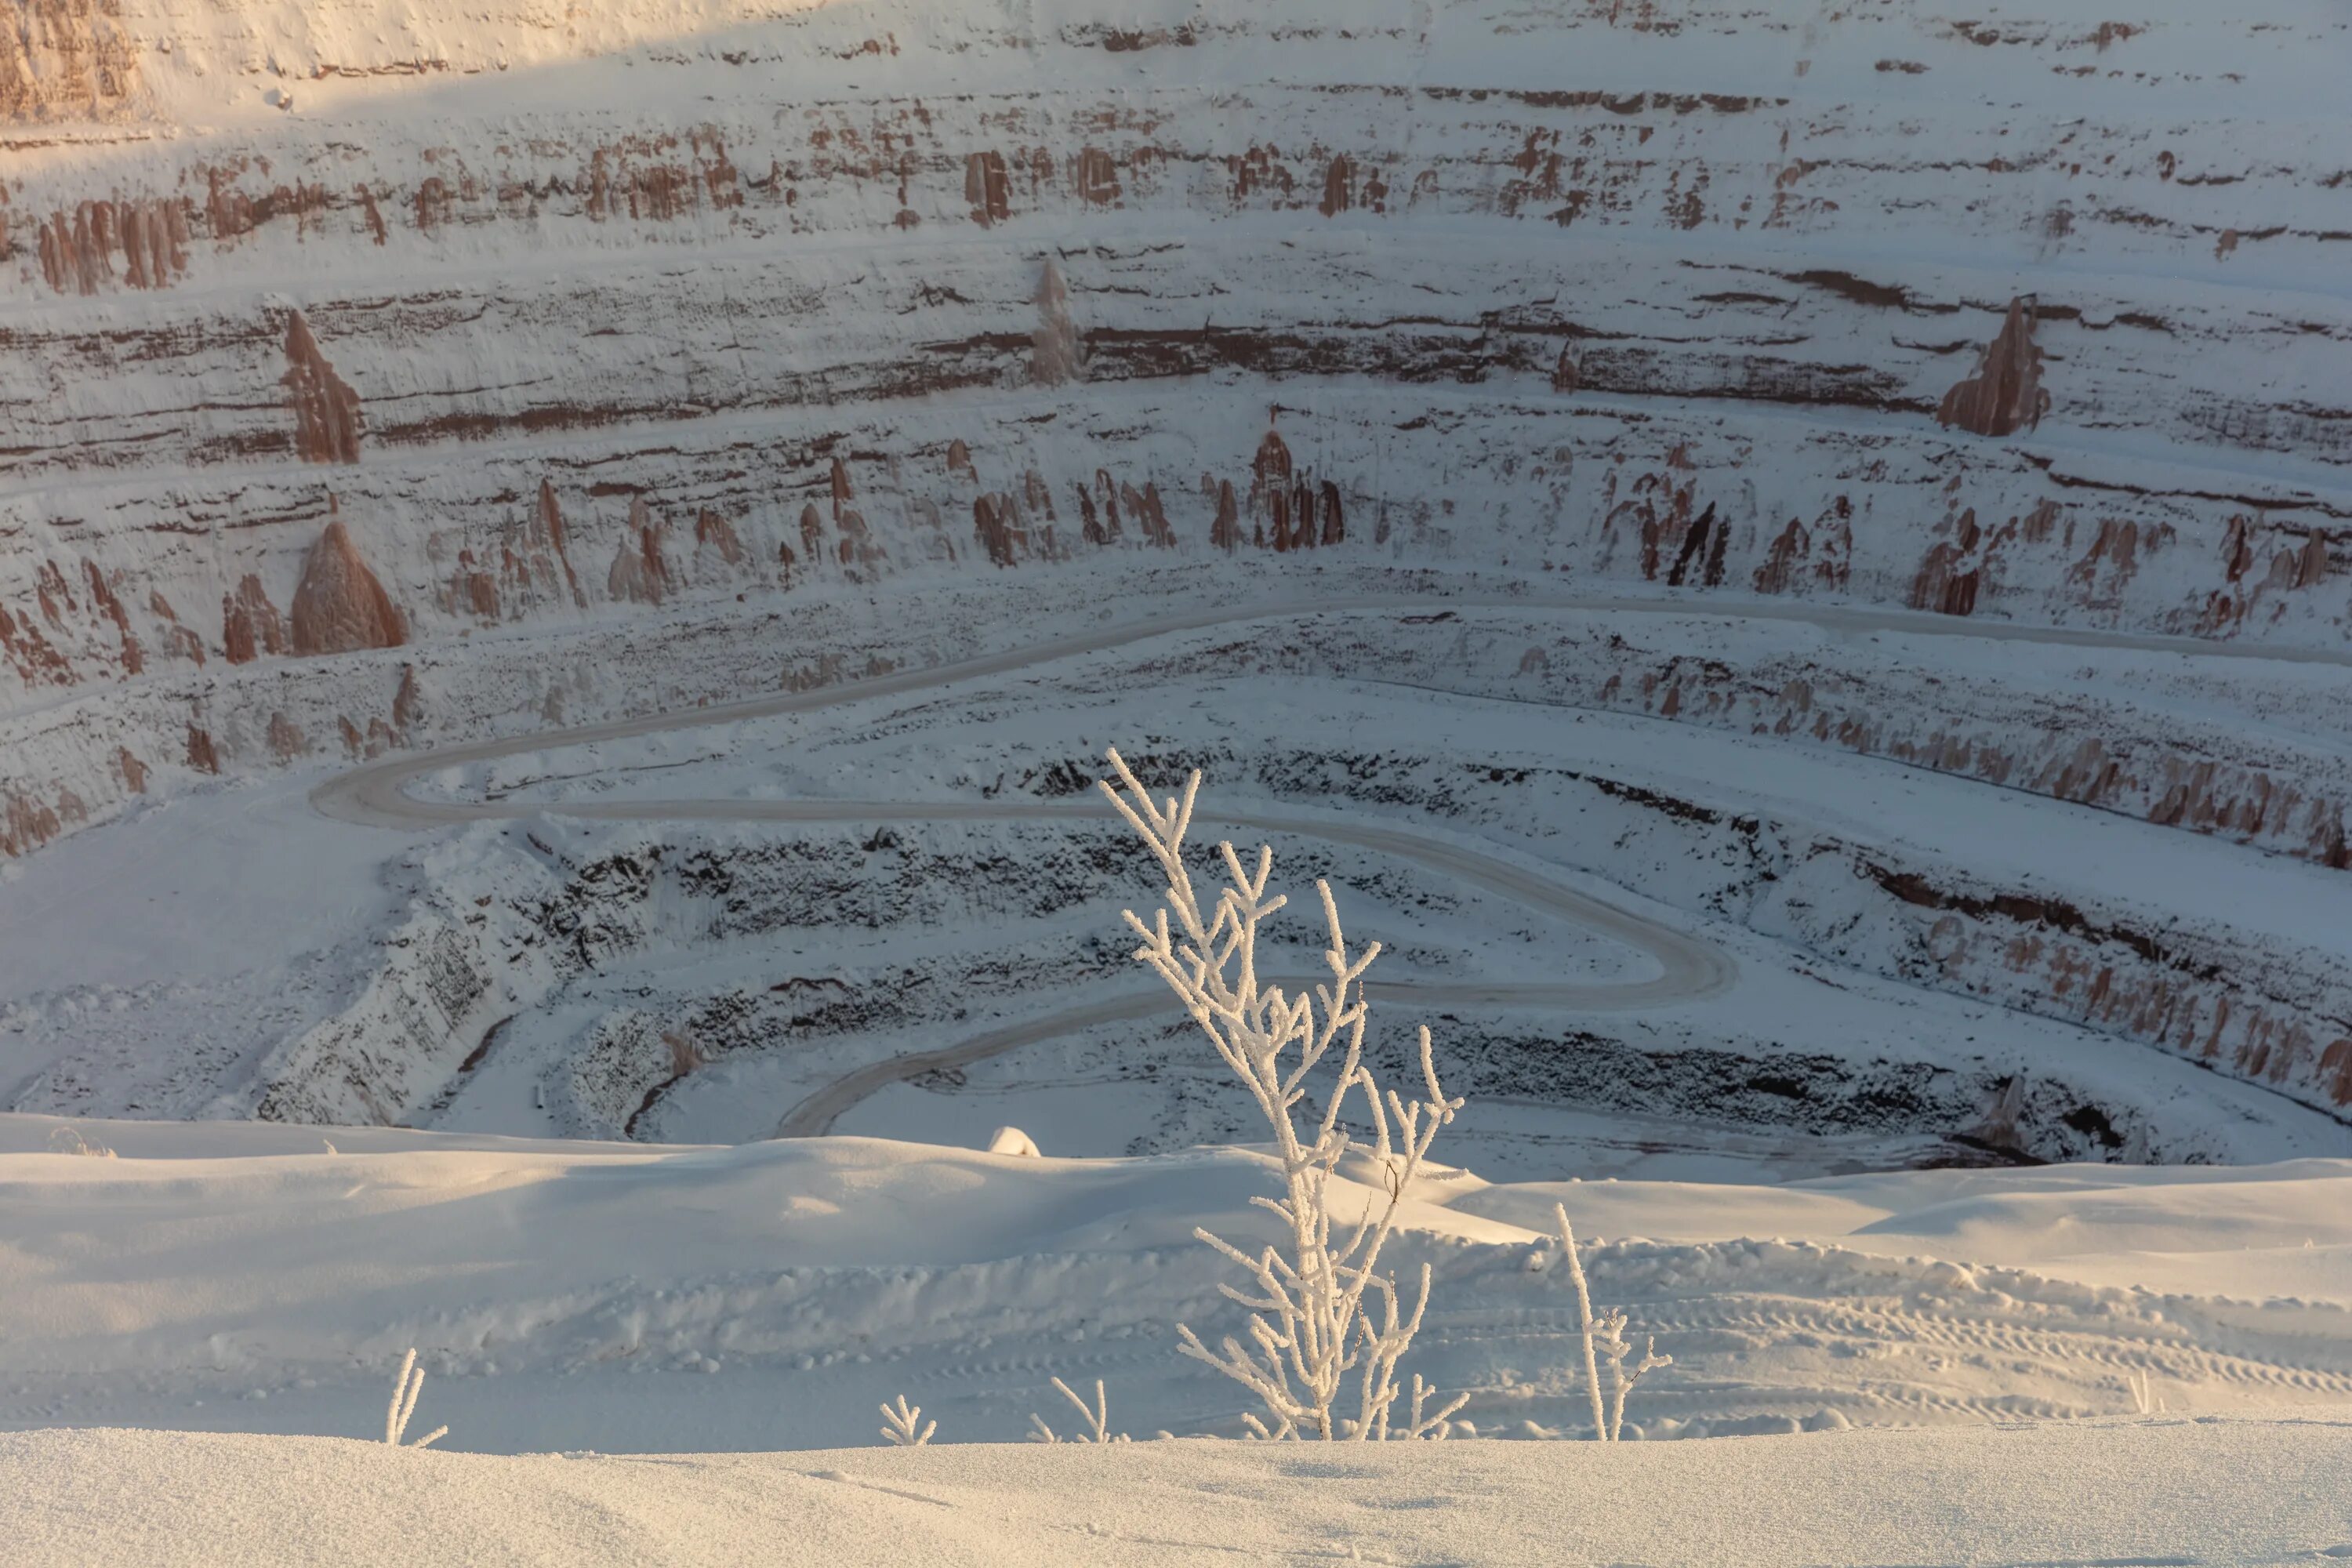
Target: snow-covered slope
{"type": "Point", "coordinates": [2047, 1495]}
{"type": "Point", "coordinates": [335, 329]}
{"type": "Point", "coordinates": [643, 1300]}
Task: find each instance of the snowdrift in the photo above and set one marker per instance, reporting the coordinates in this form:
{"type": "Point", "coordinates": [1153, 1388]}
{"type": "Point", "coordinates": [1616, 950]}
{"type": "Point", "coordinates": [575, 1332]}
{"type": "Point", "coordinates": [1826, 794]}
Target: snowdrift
{"type": "Point", "coordinates": [2219, 1493]}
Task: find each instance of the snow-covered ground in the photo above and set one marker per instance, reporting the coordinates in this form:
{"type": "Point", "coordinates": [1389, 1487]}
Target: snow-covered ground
{"type": "Point", "coordinates": [566, 1296]}
{"type": "Point", "coordinates": [2235, 1493]}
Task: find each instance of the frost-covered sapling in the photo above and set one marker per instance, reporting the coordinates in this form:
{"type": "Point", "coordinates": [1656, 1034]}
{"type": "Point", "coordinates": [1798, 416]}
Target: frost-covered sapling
{"type": "Point", "coordinates": [1604, 1340]}
{"type": "Point", "coordinates": [1096, 1415]}
{"type": "Point", "coordinates": [900, 1428]}
{"type": "Point", "coordinates": [406, 1385]}
{"type": "Point", "coordinates": [1323, 1314]}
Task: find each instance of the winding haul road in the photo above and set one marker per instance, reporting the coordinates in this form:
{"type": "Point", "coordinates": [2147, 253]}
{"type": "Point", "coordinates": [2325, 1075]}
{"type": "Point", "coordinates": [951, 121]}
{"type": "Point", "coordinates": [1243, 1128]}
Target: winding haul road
{"type": "Point", "coordinates": [376, 794]}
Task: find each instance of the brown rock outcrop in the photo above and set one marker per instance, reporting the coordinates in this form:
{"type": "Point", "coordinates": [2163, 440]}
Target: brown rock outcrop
{"type": "Point", "coordinates": [408, 702]}
{"type": "Point", "coordinates": [1149, 514]}
{"type": "Point", "coordinates": [29, 652]}
{"type": "Point", "coordinates": [326, 411]}
{"type": "Point", "coordinates": [27, 823]}
{"type": "Point", "coordinates": [471, 590]}
{"type": "Point", "coordinates": [1818, 558]}
{"type": "Point", "coordinates": [339, 606]}
{"type": "Point", "coordinates": [1100, 526]}
{"type": "Point", "coordinates": [1660, 510]}
{"type": "Point", "coordinates": [1054, 353]}
{"type": "Point", "coordinates": [1095, 178]}
{"type": "Point", "coordinates": [66, 59]}
{"type": "Point", "coordinates": [250, 626]}
{"type": "Point", "coordinates": [1225, 532]}
{"type": "Point", "coordinates": [2005, 393]}
{"type": "Point", "coordinates": [77, 253]}
{"type": "Point", "coordinates": [1947, 579]}
{"type": "Point", "coordinates": [988, 188]}
{"type": "Point", "coordinates": [2100, 577]}
{"type": "Point", "coordinates": [1565, 375]}
{"type": "Point", "coordinates": [534, 561]}
{"type": "Point", "coordinates": [996, 524]}
{"type": "Point", "coordinates": [715, 544]}
{"type": "Point", "coordinates": [639, 573]}
{"type": "Point", "coordinates": [1338, 187]}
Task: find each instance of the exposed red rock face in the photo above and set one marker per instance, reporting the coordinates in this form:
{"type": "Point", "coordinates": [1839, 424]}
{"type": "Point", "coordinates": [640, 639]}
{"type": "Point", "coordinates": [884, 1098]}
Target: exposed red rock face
{"type": "Point", "coordinates": [1054, 356]}
{"type": "Point", "coordinates": [1339, 187]}
{"type": "Point", "coordinates": [375, 214]}
{"type": "Point", "coordinates": [1565, 376]}
{"type": "Point", "coordinates": [77, 252]}
{"type": "Point", "coordinates": [1149, 514]}
{"type": "Point", "coordinates": [202, 757]}
{"type": "Point", "coordinates": [1039, 494]}
{"type": "Point", "coordinates": [857, 549]}
{"type": "Point", "coordinates": [340, 607]}
{"type": "Point", "coordinates": [27, 823]}
{"type": "Point", "coordinates": [2103, 573]}
{"type": "Point", "coordinates": [534, 562]}
{"type": "Point", "coordinates": [2237, 552]}
{"type": "Point", "coordinates": [326, 411]}
{"type": "Point", "coordinates": [1947, 579]}
{"type": "Point", "coordinates": [180, 640]}
{"type": "Point", "coordinates": [715, 541]}
{"type": "Point", "coordinates": [988, 188]}
{"type": "Point", "coordinates": [2310, 561]}
{"type": "Point", "coordinates": [1260, 169]}
{"type": "Point", "coordinates": [104, 600]}
{"type": "Point", "coordinates": [408, 702]}
{"type": "Point", "coordinates": [471, 590]}
{"type": "Point", "coordinates": [1678, 541]}
{"type": "Point", "coordinates": [286, 742]}
{"type": "Point", "coordinates": [130, 771]}
{"type": "Point", "coordinates": [960, 461]}
{"type": "Point", "coordinates": [1225, 532]}
{"type": "Point", "coordinates": [1100, 526]}
{"type": "Point", "coordinates": [66, 59]}
{"type": "Point", "coordinates": [1270, 469]}
{"type": "Point", "coordinates": [2293, 567]}
{"type": "Point", "coordinates": [2005, 394]}
{"type": "Point", "coordinates": [29, 652]}
{"type": "Point", "coordinates": [1816, 558]}
{"type": "Point", "coordinates": [250, 626]}
{"type": "Point", "coordinates": [432, 205]}
{"type": "Point", "coordinates": [1095, 178]}
{"type": "Point", "coordinates": [996, 524]}
{"type": "Point", "coordinates": [2335, 1071]}
{"type": "Point", "coordinates": [639, 573]}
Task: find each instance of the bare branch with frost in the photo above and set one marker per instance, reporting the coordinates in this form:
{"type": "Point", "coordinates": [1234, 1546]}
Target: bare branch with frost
{"type": "Point", "coordinates": [899, 1429]}
{"type": "Point", "coordinates": [1604, 1340]}
{"type": "Point", "coordinates": [406, 1385]}
{"type": "Point", "coordinates": [1096, 1415]}
{"type": "Point", "coordinates": [1322, 1311]}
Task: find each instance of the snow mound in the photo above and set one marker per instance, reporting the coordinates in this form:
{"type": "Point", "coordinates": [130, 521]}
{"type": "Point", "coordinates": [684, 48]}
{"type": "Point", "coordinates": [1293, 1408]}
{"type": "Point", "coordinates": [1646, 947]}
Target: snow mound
{"type": "Point", "coordinates": [2050, 1495]}
{"type": "Point", "coordinates": [767, 1296]}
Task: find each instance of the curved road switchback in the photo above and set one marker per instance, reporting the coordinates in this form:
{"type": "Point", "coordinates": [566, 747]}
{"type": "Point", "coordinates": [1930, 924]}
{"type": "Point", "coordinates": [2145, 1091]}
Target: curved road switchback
{"type": "Point", "coordinates": [1687, 968]}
